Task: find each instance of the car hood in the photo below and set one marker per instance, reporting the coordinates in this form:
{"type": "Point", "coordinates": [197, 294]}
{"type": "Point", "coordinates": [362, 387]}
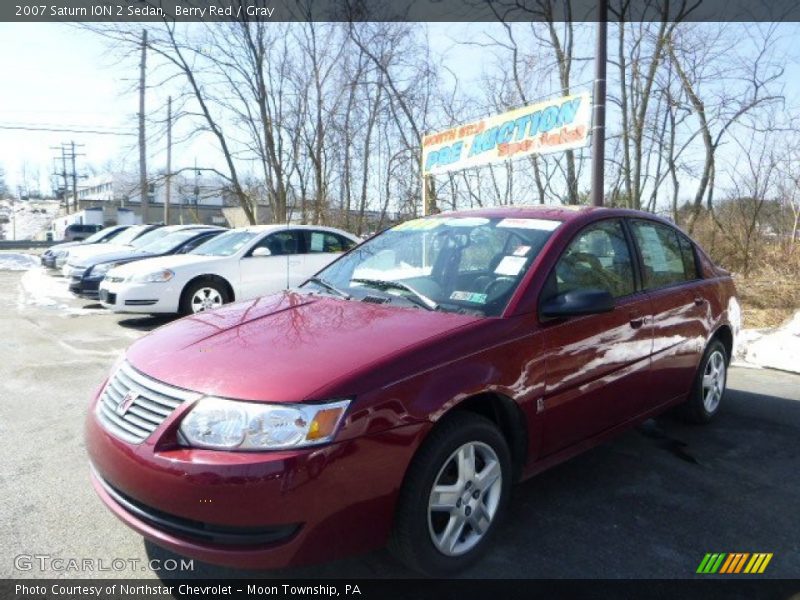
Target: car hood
{"type": "Point", "coordinates": [130, 253]}
{"type": "Point", "coordinates": [172, 261]}
{"type": "Point", "coordinates": [284, 347]}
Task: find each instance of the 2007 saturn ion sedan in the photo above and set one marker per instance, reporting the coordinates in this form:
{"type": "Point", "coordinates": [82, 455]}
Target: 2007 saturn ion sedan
{"type": "Point", "coordinates": [396, 396]}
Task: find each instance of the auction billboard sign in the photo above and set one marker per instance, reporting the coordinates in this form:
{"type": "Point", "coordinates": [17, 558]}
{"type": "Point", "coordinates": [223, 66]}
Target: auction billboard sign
{"type": "Point", "coordinates": [552, 126]}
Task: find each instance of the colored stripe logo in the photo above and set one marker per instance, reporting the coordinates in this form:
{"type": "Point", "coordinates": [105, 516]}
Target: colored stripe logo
{"type": "Point", "coordinates": [733, 563]}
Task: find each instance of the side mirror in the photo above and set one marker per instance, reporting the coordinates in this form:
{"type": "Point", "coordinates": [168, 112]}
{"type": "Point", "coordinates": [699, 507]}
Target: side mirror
{"type": "Point", "coordinates": [261, 251]}
{"type": "Point", "coordinates": [578, 302]}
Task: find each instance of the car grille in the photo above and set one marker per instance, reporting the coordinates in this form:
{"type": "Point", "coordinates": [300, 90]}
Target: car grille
{"type": "Point", "coordinates": [147, 403]}
{"type": "Point", "coordinates": [107, 297]}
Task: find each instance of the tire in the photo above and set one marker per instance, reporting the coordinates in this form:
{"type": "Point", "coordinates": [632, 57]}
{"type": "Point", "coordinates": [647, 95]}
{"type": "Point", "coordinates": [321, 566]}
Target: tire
{"type": "Point", "coordinates": [419, 535]}
{"type": "Point", "coordinates": [708, 387]}
{"type": "Point", "coordinates": [203, 294]}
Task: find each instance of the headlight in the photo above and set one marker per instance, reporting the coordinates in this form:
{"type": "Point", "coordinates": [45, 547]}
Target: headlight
{"type": "Point", "coordinates": [153, 277]}
{"type": "Point", "coordinates": [233, 425]}
{"type": "Point", "coordinates": [102, 269]}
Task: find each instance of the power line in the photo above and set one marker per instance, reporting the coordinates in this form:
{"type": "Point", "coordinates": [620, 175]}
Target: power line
{"type": "Point", "coordinates": [61, 124]}
{"type": "Point", "coordinates": [64, 130]}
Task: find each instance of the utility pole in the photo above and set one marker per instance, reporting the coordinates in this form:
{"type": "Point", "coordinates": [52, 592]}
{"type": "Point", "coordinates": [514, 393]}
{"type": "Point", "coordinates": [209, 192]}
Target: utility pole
{"type": "Point", "coordinates": [74, 180]}
{"type": "Point", "coordinates": [68, 153]}
{"type": "Point", "coordinates": [142, 147]}
{"type": "Point", "coordinates": [168, 191]}
{"type": "Point", "coordinates": [63, 174]}
{"type": "Point", "coordinates": [599, 106]}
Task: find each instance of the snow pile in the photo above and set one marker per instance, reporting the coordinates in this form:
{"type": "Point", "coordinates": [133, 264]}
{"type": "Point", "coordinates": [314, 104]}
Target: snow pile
{"type": "Point", "coordinates": [40, 289]}
{"type": "Point", "coordinates": [17, 262]}
{"type": "Point", "coordinates": [27, 220]}
{"type": "Point", "coordinates": [777, 348]}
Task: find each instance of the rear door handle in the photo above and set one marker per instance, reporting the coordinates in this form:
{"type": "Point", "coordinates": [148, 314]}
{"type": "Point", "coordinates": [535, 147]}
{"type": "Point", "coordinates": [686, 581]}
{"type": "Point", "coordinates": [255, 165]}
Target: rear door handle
{"type": "Point", "coordinates": [698, 301]}
{"type": "Point", "coordinates": [636, 321]}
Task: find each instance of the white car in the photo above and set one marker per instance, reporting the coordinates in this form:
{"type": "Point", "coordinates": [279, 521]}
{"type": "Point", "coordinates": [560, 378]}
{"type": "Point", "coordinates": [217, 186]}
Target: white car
{"type": "Point", "coordinates": [237, 265]}
{"type": "Point", "coordinates": [73, 256]}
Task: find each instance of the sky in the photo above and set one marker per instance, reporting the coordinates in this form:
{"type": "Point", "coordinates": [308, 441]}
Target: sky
{"type": "Point", "coordinates": [55, 76]}
{"type": "Point", "coordinates": [60, 76]}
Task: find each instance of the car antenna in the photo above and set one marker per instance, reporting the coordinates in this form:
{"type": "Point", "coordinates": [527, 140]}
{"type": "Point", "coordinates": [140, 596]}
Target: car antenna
{"type": "Point", "coordinates": [288, 262]}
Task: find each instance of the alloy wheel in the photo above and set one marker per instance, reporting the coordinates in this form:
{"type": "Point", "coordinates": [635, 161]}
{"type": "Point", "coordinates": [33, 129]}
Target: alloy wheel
{"type": "Point", "coordinates": [713, 381]}
{"type": "Point", "coordinates": [464, 499]}
{"type": "Point", "coordinates": [206, 298]}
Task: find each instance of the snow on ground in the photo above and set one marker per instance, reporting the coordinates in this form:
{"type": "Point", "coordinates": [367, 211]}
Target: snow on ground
{"type": "Point", "coordinates": [777, 348]}
{"type": "Point", "coordinates": [40, 288]}
{"type": "Point", "coordinates": [17, 262]}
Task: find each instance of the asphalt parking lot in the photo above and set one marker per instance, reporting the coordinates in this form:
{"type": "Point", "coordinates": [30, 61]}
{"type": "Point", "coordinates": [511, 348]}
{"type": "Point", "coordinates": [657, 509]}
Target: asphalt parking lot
{"type": "Point", "coordinates": [648, 505]}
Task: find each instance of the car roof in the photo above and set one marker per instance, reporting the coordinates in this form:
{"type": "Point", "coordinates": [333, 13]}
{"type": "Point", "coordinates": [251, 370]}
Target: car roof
{"type": "Point", "coordinates": [554, 212]}
{"type": "Point", "coordinates": [200, 226]}
{"type": "Point", "coordinates": [282, 226]}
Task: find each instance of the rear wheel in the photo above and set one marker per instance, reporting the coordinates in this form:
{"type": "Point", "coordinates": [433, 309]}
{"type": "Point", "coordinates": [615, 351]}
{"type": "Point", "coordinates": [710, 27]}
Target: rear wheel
{"type": "Point", "coordinates": [203, 295]}
{"type": "Point", "coordinates": [453, 496]}
{"type": "Point", "coordinates": [709, 385]}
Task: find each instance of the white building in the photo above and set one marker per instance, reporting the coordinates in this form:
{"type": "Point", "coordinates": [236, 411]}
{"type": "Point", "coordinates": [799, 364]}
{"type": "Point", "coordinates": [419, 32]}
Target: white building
{"type": "Point", "coordinates": [124, 189]}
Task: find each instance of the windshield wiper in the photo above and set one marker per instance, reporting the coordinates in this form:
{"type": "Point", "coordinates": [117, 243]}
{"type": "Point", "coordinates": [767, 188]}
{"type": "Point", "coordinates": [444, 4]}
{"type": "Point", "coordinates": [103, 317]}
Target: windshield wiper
{"type": "Point", "coordinates": [330, 287]}
{"type": "Point", "coordinates": [417, 298]}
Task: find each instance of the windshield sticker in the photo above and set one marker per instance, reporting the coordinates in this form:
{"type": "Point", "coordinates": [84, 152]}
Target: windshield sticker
{"type": "Point", "coordinates": [467, 222]}
{"type": "Point", "coordinates": [420, 224]}
{"type": "Point", "coordinates": [522, 250]}
{"type": "Point", "coordinates": [510, 265]}
{"type": "Point", "coordinates": [538, 224]}
{"type": "Point", "coordinates": [472, 297]}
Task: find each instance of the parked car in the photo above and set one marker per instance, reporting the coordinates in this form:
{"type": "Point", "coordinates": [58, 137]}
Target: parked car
{"type": "Point", "coordinates": [164, 241]}
{"type": "Point", "coordinates": [237, 265]}
{"type": "Point", "coordinates": [75, 257]}
{"type": "Point", "coordinates": [48, 258]}
{"type": "Point", "coordinates": [77, 232]}
{"type": "Point", "coordinates": [399, 393]}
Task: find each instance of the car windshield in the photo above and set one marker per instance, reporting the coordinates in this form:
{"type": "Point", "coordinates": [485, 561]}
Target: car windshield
{"type": "Point", "coordinates": [226, 244]}
{"type": "Point", "coordinates": [150, 237]}
{"type": "Point", "coordinates": [126, 237]}
{"type": "Point", "coordinates": [457, 264]}
{"type": "Point", "coordinates": [169, 242]}
{"type": "Point", "coordinates": [100, 235]}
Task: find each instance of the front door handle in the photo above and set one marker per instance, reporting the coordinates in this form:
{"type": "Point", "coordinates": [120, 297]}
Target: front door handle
{"type": "Point", "coordinates": [698, 301]}
{"type": "Point", "coordinates": [636, 321]}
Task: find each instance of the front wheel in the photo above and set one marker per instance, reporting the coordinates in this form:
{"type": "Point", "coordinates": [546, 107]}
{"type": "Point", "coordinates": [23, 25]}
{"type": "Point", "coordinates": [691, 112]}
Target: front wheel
{"type": "Point", "coordinates": [709, 385]}
{"type": "Point", "coordinates": [201, 296]}
{"type": "Point", "coordinates": [453, 497]}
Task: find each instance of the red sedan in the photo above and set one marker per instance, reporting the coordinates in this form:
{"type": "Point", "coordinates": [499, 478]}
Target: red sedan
{"type": "Point", "coordinates": [397, 395]}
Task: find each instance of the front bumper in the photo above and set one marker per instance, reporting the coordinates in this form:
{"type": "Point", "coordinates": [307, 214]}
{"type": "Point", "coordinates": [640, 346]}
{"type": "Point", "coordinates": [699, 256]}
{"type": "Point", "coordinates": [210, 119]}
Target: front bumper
{"type": "Point", "coordinates": [147, 298]}
{"type": "Point", "coordinates": [307, 505]}
{"type": "Point", "coordinates": [85, 288]}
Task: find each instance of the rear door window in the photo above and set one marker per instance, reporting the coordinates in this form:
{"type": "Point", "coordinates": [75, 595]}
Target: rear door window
{"type": "Point", "coordinates": [689, 258]}
{"type": "Point", "coordinates": [326, 242]}
{"type": "Point", "coordinates": [662, 256]}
